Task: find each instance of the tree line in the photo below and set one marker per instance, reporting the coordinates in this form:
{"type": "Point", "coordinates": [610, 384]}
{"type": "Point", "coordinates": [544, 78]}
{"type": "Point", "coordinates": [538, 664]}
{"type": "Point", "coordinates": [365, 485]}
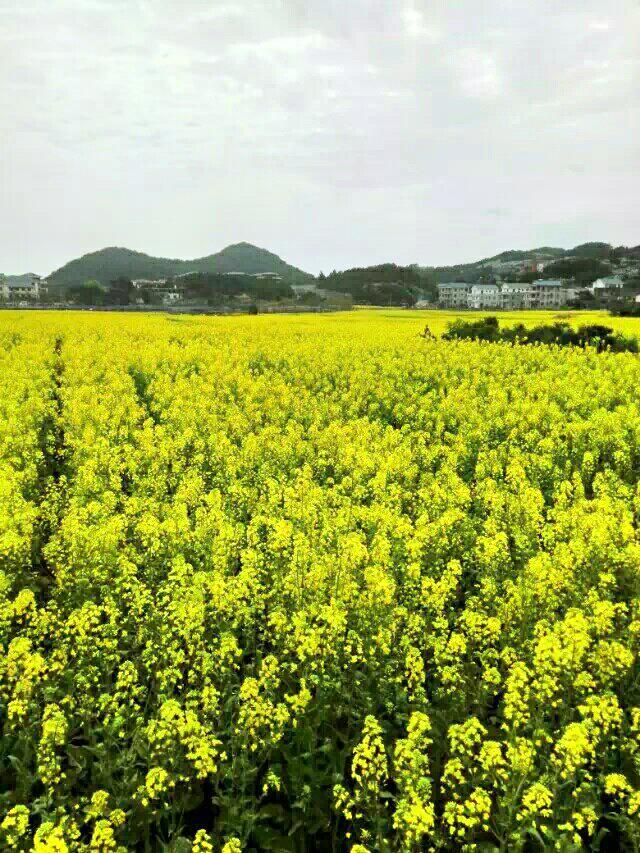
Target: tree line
{"type": "Point", "coordinates": [562, 334]}
{"type": "Point", "coordinates": [209, 287]}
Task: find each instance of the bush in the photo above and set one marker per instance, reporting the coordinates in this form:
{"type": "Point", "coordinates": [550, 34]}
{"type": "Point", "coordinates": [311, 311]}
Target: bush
{"type": "Point", "coordinates": [485, 329]}
{"type": "Point", "coordinates": [561, 334]}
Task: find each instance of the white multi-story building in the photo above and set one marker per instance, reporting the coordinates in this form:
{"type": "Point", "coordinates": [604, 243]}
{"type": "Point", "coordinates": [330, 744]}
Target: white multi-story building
{"type": "Point", "coordinates": [609, 282]}
{"type": "Point", "coordinates": [14, 288]}
{"type": "Point", "coordinates": [510, 296]}
{"type": "Point", "coordinates": [484, 296]}
{"type": "Point", "coordinates": [300, 289]}
{"type": "Point", "coordinates": [166, 290]}
{"type": "Point", "coordinates": [516, 295]}
{"type": "Point", "coordinates": [453, 294]}
{"type": "Point", "coordinates": [149, 283]}
{"type": "Point", "coordinates": [273, 276]}
{"type": "Point", "coordinates": [548, 293]}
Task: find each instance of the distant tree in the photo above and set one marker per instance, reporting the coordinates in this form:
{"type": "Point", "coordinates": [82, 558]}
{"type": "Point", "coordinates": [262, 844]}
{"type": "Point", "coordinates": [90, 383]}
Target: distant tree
{"type": "Point", "coordinates": [89, 293]}
{"type": "Point", "coordinates": [595, 250]}
{"type": "Point", "coordinates": [120, 291]}
{"type": "Point", "coordinates": [384, 284]}
{"type": "Point", "coordinates": [428, 279]}
{"type": "Point", "coordinates": [626, 308]}
{"type": "Point", "coordinates": [584, 299]}
{"type": "Point", "coordinates": [216, 288]}
{"type": "Point", "coordinates": [528, 276]}
{"type": "Point", "coordinates": [310, 298]}
{"type": "Point", "coordinates": [583, 270]}
{"type": "Point", "coordinates": [388, 293]}
{"type": "Point", "coordinates": [339, 300]}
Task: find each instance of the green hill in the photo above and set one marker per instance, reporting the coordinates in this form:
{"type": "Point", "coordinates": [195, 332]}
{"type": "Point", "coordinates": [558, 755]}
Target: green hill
{"type": "Point", "coordinates": [474, 270]}
{"type": "Point", "coordinates": [521, 255]}
{"type": "Point", "coordinates": [597, 251]}
{"type": "Point", "coordinates": [108, 264]}
{"type": "Point", "coordinates": [383, 284]}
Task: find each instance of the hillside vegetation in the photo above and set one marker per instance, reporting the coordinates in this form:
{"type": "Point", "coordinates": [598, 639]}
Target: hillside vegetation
{"type": "Point", "coordinates": [383, 284]}
{"type": "Point", "coordinates": [585, 257]}
{"type": "Point", "coordinates": [109, 264]}
{"type": "Point", "coordinates": [380, 284]}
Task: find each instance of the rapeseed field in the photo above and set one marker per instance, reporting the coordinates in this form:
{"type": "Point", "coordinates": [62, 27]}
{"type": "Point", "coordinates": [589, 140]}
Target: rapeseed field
{"type": "Point", "coordinates": [315, 582]}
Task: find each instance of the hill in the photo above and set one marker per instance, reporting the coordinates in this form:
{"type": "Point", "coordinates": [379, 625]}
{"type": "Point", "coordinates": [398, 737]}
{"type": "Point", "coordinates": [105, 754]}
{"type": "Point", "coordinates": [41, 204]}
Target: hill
{"type": "Point", "coordinates": [108, 264]}
{"type": "Point", "coordinates": [522, 255]}
{"type": "Point", "coordinates": [383, 284]}
{"type": "Point", "coordinates": [500, 263]}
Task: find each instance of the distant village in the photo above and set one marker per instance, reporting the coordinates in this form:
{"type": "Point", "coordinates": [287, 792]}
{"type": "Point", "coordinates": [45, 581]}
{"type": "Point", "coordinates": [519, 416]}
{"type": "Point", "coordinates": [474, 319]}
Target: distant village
{"type": "Point", "coordinates": [541, 293]}
{"type": "Point", "coordinates": [572, 281]}
{"type": "Point", "coordinates": [531, 290]}
{"type": "Point", "coordinates": [29, 290]}
{"type": "Point", "coordinates": [22, 289]}
{"type": "Point", "coordinates": [173, 290]}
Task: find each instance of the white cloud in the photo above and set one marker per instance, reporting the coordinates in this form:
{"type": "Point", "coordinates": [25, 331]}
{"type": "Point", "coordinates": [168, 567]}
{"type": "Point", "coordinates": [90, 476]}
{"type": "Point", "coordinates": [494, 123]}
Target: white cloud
{"type": "Point", "coordinates": [416, 25]}
{"type": "Point", "coordinates": [280, 47]}
{"type": "Point", "coordinates": [599, 25]}
{"type": "Point", "coordinates": [477, 73]}
{"type": "Point", "coordinates": [337, 133]}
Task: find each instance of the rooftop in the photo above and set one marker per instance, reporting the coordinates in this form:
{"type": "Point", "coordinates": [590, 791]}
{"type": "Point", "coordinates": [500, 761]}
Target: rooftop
{"type": "Point", "coordinates": [610, 280]}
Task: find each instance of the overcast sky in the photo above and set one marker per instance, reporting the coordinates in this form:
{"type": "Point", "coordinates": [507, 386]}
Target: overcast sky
{"type": "Point", "coordinates": [333, 132]}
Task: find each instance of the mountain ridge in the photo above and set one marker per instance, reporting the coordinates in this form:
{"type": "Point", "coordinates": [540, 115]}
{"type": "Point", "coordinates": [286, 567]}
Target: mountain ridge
{"type": "Point", "coordinates": [111, 262]}
{"type": "Point", "coordinates": [594, 249]}
{"type": "Point", "coordinates": [105, 265]}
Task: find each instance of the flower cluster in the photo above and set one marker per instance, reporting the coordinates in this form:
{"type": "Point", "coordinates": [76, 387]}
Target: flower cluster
{"type": "Point", "coordinates": [280, 582]}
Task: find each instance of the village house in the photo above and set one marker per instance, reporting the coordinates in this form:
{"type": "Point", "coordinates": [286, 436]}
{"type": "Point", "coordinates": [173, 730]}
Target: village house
{"type": "Point", "coordinates": [548, 293]}
{"type": "Point", "coordinates": [164, 289]}
{"type": "Point", "coordinates": [515, 295]}
{"type": "Point", "coordinates": [484, 296]}
{"type": "Point", "coordinates": [271, 276]}
{"type": "Point", "coordinates": [510, 296]}
{"type": "Point", "coordinates": [609, 282]}
{"type": "Point", "coordinates": [148, 283]}
{"type": "Point", "coordinates": [300, 289]}
{"type": "Point", "coordinates": [453, 294]}
{"type": "Point", "coordinates": [14, 288]}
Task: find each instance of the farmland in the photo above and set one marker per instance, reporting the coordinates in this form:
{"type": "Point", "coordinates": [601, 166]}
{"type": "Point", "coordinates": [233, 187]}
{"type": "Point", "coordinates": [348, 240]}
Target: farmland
{"type": "Point", "coordinates": [316, 583]}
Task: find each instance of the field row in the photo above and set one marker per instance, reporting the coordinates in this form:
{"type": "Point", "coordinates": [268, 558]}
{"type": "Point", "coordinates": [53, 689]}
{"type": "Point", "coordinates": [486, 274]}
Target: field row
{"type": "Point", "coordinates": [315, 583]}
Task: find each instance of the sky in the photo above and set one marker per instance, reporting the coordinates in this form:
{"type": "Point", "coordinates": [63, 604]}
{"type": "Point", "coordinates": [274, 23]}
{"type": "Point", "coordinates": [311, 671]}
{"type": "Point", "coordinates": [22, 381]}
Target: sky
{"type": "Point", "coordinates": [336, 133]}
